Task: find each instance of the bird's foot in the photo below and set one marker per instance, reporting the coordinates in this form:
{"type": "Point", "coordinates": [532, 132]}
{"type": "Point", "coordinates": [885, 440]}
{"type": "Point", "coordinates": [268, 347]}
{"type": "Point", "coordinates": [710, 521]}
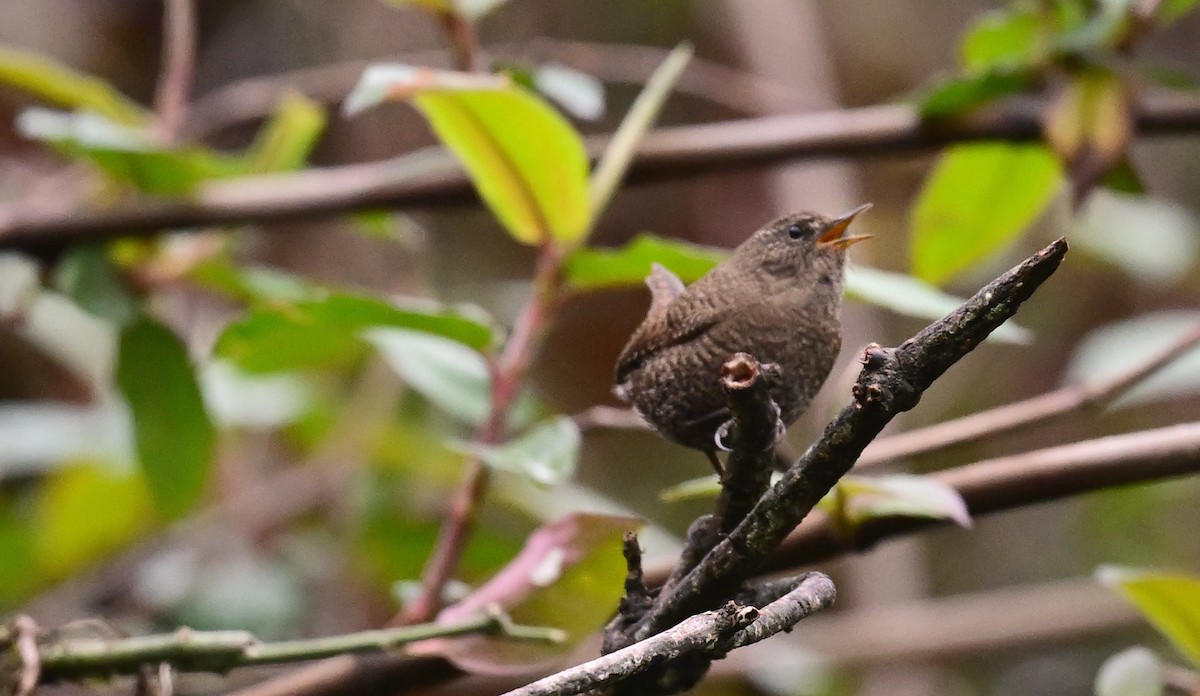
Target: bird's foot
{"type": "Point", "coordinates": [721, 433]}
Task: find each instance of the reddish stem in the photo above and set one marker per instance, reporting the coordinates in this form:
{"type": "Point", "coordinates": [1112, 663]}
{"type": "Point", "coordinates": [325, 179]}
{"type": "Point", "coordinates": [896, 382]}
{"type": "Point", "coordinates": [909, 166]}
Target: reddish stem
{"type": "Point", "coordinates": [508, 374]}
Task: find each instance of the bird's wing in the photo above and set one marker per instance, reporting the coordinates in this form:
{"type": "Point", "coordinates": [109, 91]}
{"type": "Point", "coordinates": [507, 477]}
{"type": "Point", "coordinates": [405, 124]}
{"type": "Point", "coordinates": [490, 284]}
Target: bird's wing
{"type": "Point", "coordinates": [682, 318]}
{"type": "Point", "coordinates": [664, 286]}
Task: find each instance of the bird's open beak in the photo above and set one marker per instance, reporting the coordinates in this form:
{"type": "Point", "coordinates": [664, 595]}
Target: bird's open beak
{"type": "Point", "coordinates": [833, 236]}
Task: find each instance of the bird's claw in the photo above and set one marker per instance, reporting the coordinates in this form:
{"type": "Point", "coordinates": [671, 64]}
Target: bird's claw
{"type": "Point", "coordinates": [721, 433]}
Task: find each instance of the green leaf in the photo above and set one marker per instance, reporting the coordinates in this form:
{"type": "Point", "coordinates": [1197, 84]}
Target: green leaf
{"type": "Point", "coordinates": [912, 297]}
{"type": "Point", "coordinates": [1107, 26]}
{"type": "Point", "coordinates": [1169, 601]}
{"type": "Point", "coordinates": [704, 487]}
{"type": "Point", "coordinates": [324, 332]}
{"type": "Point", "coordinates": [252, 284]}
{"type": "Point", "coordinates": [588, 269]}
{"type": "Point", "coordinates": [573, 562]}
{"type": "Point", "coordinates": [287, 139]}
{"type": "Point", "coordinates": [173, 433]}
{"type": "Point", "coordinates": [1004, 39]}
{"type": "Point", "coordinates": [128, 154]}
{"type": "Point", "coordinates": [858, 499]}
{"type": "Point", "coordinates": [959, 94]}
{"type": "Point", "coordinates": [614, 162]}
{"type": "Point", "coordinates": [1171, 10]}
{"type": "Point", "coordinates": [1122, 178]}
{"type": "Point", "coordinates": [1169, 76]}
{"type": "Point", "coordinates": [18, 578]}
{"type": "Point", "coordinates": [85, 513]}
{"type": "Point", "coordinates": [450, 375]}
{"type": "Point", "coordinates": [1136, 671]}
{"type": "Point", "coordinates": [527, 163]}
{"type": "Point", "coordinates": [979, 198]}
{"type": "Point", "coordinates": [547, 453]}
{"type": "Point", "coordinates": [62, 86]}
{"type": "Point", "coordinates": [92, 281]}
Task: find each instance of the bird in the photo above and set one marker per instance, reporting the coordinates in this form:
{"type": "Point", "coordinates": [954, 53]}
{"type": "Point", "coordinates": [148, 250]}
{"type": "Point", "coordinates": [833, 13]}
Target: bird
{"type": "Point", "coordinates": [777, 297]}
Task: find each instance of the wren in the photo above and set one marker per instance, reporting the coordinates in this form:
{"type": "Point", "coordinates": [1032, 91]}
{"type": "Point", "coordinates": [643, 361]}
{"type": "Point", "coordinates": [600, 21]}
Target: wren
{"type": "Point", "coordinates": [777, 297]}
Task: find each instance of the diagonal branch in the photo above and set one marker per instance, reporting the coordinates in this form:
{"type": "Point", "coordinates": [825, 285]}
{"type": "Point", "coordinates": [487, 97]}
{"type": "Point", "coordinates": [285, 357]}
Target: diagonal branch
{"type": "Point", "coordinates": [712, 634]}
{"type": "Point", "coordinates": [892, 381]}
{"type": "Point", "coordinates": [1035, 411]}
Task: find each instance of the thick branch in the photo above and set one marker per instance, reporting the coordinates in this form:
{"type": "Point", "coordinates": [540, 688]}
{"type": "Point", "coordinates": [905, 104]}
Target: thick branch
{"type": "Point", "coordinates": [892, 381]}
{"type": "Point", "coordinates": [431, 177]}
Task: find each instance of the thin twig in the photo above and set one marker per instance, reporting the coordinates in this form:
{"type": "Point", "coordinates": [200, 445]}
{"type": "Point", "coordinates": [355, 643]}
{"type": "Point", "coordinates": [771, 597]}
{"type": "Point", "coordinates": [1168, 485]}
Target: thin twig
{"type": "Point", "coordinates": [1038, 410]}
{"type": "Point", "coordinates": [178, 68]}
{"type": "Point", "coordinates": [954, 626]}
{"type": "Point", "coordinates": [739, 91]}
{"type": "Point", "coordinates": [464, 41]}
{"type": "Point", "coordinates": [220, 651]}
{"type": "Point", "coordinates": [1007, 483]}
{"type": "Point", "coordinates": [755, 429]}
{"type": "Point", "coordinates": [433, 178]}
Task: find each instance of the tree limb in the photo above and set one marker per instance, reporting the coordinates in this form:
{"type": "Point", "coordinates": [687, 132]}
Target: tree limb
{"type": "Point", "coordinates": [712, 634]}
{"type": "Point", "coordinates": [892, 381]}
{"type": "Point", "coordinates": [432, 178]}
{"type": "Point", "coordinates": [73, 658]}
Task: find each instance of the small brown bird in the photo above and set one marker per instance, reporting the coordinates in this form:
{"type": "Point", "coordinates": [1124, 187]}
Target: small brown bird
{"type": "Point", "coordinates": [777, 297]}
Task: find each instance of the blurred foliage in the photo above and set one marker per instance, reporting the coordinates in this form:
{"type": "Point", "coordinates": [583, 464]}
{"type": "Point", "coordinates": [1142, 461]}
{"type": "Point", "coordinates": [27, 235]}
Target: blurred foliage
{"type": "Point", "coordinates": [166, 408]}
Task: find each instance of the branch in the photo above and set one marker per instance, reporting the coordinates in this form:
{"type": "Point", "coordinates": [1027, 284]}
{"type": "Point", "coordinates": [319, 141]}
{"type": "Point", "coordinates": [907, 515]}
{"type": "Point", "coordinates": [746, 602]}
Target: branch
{"type": "Point", "coordinates": [892, 381]}
{"type": "Point", "coordinates": [712, 634]}
{"type": "Point", "coordinates": [756, 427]}
{"type": "Point", "coordinates": [221, 651]}
{"type": "Point", "coordinates": [1036, 411]}
{"type": "Point", "coordinates": [432, 178]}
{"type": "Point", "coordinates": [1006, 483]}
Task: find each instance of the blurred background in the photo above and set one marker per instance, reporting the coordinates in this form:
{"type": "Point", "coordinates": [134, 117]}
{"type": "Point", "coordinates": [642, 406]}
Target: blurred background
{"type": "Point", "coordinates": [328, 486]}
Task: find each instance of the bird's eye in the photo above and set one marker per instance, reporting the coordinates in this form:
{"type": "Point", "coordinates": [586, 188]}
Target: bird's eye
{"type": "Point", "coordinates": [795, 231]}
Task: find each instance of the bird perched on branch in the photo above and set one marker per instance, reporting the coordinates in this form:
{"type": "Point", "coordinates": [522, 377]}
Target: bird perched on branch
{"type": "Point", "coordinates": [777, 297]}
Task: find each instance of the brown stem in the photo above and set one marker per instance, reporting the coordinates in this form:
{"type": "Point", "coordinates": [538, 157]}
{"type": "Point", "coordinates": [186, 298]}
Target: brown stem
{"type": "Point", "coordinates": [508, 374]}
{"type": "Point", "coordinates": [464, 41]}
{"type": "Point", "coordinates": [178, 67]}
{"type": "Point", "coordinates": [432, 178]}
{"type": "Point", "coordinates": [1033, 412]}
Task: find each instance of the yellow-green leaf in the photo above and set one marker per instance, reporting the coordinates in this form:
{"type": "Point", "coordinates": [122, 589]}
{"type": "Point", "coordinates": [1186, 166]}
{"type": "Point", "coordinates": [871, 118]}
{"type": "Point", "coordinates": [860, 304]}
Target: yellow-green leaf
{"type": "Point", "coordinates": [127, 153]}
{"type": "Point", "coordinates": [286, 140]}
{"type": "Point", "coordinates": [979, 198]}
{"type": "Point", "coordinates": [526, 161]}
{"type": "Point", "coordinates": [642, 114]}
{"type": "Point", "coordinates": [62, 86]}
{"type": "Point", "coordinates": [1169, 601]}
{"type": "Point", "coordinates": [86, 512]}
{"type": "Point", "coordinates": [1091, 116]}
{"type": "Point", "coordinates": [1004, 39]}
{"type": "Point", "coordinates": [591, 268]}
